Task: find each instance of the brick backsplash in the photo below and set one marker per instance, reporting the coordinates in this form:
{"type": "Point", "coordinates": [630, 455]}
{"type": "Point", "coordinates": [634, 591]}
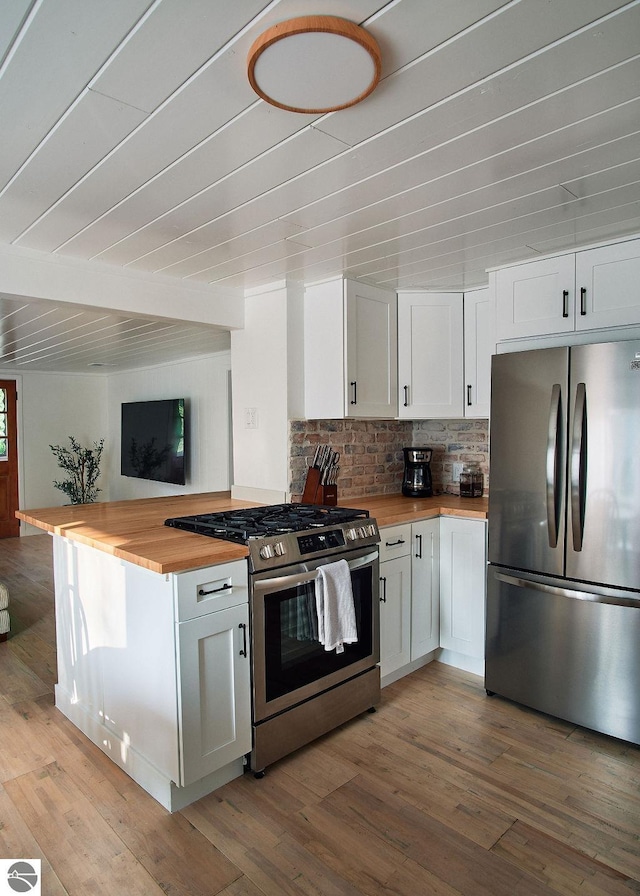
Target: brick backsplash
{"type": "Point", "coordinates": [371, 459]}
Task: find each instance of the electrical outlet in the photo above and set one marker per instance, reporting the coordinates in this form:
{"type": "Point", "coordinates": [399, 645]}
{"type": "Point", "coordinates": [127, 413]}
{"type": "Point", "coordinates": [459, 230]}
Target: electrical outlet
{"type": "Point", "coordinates": [250, 418]}
{"type": "Point", "coordinates": [457, 470]}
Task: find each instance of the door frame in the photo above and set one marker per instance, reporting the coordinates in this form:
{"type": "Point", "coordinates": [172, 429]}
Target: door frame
{"type": "Point", "coordinates": [17, 379]}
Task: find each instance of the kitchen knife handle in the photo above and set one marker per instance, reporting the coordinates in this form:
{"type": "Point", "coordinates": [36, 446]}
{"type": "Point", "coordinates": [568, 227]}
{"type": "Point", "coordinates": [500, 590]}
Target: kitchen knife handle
{"type": "Point", "coordinates": [354, 386]}
{"type": "Point", "coordinates": [565, 303]}
{"type": "Point", "coordinates": [383, 595]}
{"type": "Point", "coordinates": [578, 464]}
{"type": "Point", "coordinates": [554, 465]}
{"type": "Point", "coordinates": [406, 396]}
{"type": "Point", "coordinates": [583, 301]}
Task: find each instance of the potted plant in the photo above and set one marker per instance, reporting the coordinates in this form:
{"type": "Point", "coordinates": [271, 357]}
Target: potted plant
{"type": "Point", "coordinates": [82, 466]}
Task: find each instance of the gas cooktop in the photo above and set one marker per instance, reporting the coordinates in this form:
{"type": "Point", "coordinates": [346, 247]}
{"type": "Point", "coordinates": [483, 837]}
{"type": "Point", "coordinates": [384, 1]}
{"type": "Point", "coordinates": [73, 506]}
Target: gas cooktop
{"type": "Point", "coordinates": [256, 522]}
{"type": "Point", "coordinates": [283, 534]}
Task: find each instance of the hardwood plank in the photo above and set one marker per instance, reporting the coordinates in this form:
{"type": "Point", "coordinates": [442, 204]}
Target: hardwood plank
{"type": "Point", "coordinates": [17, 842]}
{"type": "Point", "coordinates": [83, 850]}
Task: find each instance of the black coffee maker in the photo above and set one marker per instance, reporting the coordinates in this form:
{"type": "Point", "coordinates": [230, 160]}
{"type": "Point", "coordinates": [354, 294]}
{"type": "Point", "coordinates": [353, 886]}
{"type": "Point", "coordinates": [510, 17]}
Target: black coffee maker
{"type": "Point", "coordinates": [416, 482]}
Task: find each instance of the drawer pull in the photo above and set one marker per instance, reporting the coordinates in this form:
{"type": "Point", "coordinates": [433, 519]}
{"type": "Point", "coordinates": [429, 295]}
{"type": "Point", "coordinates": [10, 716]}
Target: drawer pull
{"type": "Point", "coordinates": [393, 544]}
{"type": "Point", "coordinates": [226, 587]}
{"type": "Point", "coordinates": [419, 546]}
{"type": "Point", "coordinates": [565, 303]}
{"type": "Point", "coordinates": [383, 596]}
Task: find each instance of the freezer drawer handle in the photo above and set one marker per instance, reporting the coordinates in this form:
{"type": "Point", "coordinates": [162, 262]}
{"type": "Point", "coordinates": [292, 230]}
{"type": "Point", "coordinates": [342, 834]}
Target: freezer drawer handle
{"type": "Point", "coordinates": [578, 466]}
{"type": "Point", "coordinates": [569, 592]}
{"type": "Point", "coordinates": [554, 465]}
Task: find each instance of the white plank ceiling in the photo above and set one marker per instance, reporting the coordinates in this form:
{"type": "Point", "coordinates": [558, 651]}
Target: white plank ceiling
{"type": "Point", "coordinates": [500, 131]}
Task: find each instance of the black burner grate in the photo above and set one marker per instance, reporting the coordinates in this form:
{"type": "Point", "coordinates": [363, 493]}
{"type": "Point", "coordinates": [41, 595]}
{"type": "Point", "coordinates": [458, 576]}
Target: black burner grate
{"type": "Point", "coordinates": [255, 522]}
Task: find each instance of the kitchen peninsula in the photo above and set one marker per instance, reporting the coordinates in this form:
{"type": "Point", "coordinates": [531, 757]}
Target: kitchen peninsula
{"type": "Point", "coordinates": [148, 616]}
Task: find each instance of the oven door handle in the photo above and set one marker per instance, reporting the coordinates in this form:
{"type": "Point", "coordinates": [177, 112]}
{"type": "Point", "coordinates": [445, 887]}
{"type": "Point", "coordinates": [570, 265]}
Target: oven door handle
{"type": "Point", "coordinates": [282, 582]}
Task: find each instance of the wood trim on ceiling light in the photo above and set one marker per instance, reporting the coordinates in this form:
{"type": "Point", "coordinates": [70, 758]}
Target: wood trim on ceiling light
{"type": "Point", "coordinates": [307, 25]}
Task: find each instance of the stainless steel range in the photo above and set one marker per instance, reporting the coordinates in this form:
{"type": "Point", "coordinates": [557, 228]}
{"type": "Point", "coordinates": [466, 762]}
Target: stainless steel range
{"type": "Point", "coordinates": [300, 689]}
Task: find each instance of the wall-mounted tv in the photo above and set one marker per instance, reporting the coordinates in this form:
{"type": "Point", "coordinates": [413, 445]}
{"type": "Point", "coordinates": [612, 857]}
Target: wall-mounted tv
{"type": "Point", "coordinates": [154, 440]}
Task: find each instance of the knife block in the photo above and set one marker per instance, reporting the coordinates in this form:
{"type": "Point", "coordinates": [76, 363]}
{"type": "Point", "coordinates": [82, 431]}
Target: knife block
{"type": "Point", "coordinates": [316, 493]}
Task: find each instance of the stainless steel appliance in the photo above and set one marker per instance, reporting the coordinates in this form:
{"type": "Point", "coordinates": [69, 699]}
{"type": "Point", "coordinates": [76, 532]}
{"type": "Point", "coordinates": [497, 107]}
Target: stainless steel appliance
{"type": "Point", "coordinates": [300, 690]}
{"type": "Point", "coordinates": [416, 481]}
{"type": "Point", "coordinates": [563, 596]}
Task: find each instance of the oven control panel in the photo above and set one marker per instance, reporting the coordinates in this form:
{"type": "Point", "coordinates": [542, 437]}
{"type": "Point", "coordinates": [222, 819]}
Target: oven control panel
{"type": "Point", "coordinates": [314, 542]}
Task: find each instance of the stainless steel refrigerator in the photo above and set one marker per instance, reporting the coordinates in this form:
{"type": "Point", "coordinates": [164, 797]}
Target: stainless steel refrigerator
{"type": "Point", "coordinates": [563, 584]}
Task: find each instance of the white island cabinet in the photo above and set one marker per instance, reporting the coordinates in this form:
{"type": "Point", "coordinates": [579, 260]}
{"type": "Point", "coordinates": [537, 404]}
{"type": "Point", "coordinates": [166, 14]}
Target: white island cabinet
{"type": "Point", "coordinates": [154, 669]}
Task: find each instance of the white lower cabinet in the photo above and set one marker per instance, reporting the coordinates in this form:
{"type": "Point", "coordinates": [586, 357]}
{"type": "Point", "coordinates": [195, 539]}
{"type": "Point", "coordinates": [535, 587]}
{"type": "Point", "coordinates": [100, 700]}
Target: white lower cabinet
{"type": "Point", "coordinates": [425, 588]}
{"type": "Point", "coordinates": [395, 598]}
{"type": "Point", "coordinates": [213, 692]}
{"type": "Point", "coordinates": [432, 594]}
{"type": "Point", "coordinates": [462, 585]}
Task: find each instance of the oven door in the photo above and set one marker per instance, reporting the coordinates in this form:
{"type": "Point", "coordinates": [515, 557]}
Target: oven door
{"type": "Point", "coordinates": [289, 664]}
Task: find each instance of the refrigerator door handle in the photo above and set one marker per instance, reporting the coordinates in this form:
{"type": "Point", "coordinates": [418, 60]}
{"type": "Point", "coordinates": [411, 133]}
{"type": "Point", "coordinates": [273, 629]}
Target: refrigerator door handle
{"type": "Point", "coordinates": [568, 592]}
{"type": "Point", "coordinates": [578, 466]}
{"type": "Point", "coordinates": [554, 465]}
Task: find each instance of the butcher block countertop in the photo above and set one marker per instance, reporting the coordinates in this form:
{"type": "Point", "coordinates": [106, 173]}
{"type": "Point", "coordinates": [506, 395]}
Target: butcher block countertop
{"type": "Point", "coordinates": [135, 530]}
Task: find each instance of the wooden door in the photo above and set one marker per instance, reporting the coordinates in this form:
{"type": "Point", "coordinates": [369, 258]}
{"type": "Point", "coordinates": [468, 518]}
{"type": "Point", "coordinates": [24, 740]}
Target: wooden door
{"type": "Point", "coordinates": [9, 525]}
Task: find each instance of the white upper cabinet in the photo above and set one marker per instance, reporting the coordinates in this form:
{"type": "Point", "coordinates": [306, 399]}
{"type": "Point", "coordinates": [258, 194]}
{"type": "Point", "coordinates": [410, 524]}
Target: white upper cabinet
{"type": "Point", "coordinates": [430, 355]}
{"type": "Point", "coordinates": [350, 351]}
{"type": "Point", "coordinates": [590, 290]}
{"type": "Point", "coordinates": [607, 293]}
{"type": "Point", "coordinates": [536, 299]}
{"type": "Point", "coordinates": [479, 345]}
{"type": "Point", "coordinates": [445, 343]}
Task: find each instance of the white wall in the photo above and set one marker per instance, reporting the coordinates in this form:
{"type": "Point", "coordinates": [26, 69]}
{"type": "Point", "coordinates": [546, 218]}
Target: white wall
{"type": "Point", "coordinates": [51, 407]}
{"type": "Point", "coordinates": [204, 383]}
{"type": "Point", "coordinates": [266, 361]}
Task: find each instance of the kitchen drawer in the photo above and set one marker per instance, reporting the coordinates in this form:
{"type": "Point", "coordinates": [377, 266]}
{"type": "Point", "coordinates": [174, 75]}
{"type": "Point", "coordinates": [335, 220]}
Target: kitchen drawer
{"type": "Point", "coordinates": [213, 588]}
{"type": "Point", "coordinates": [395, 541]}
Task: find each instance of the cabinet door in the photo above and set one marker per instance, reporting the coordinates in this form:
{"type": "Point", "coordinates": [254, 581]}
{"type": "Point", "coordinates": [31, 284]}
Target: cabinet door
{"type": "Point", "coordinates": [607, 286]}
{"type": "Point", "coordinates": [430, 355]}
{"type": "Point", "coordinates": [479, 346]}
{"type": "Point", "coordinates": [425, 588]}
{"type": "Point", "coordinates": [462, 585]}
{"type": "Point", "coordinates": [395, 614]}
{"type": "Point", "coordinates": [536, 299]}
{"type": "Point", "coordinates": [214, 691]}
{"type": "Point", "coordinates": [372, 338]}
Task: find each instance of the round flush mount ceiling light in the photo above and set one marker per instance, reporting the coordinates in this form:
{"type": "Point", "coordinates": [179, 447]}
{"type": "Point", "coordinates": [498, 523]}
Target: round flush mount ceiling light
{"type": "Point", "coordinates": [314, 64]}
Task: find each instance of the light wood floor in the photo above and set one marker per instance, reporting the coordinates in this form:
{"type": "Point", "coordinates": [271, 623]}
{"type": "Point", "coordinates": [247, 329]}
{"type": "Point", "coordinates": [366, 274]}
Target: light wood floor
{"type": "Point", "coordinates": [442, 791]}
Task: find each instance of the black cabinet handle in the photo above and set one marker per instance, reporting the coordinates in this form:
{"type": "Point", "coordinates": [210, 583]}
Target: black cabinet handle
{"type": "Point", "coordinates": [354, 400]}
{"type": "Point", "coordinates": [383, 596]}
{"type": "Point", "coordinates": [392, 544]}
{"type": "Point", "coordinates": [419, 546]}
{"type": "Point", "coordinates": [468, 396]}
{"type": "Point", "coordinates": [583, 301]}
{"type": "Point", "coordinates": [565, 303]}
{"type": "Point", "coordinates": [406, 396]}
{"type": "Point", "coordinates": [226, 587]}
{"type": "Point", "coordinates": [243, 626]}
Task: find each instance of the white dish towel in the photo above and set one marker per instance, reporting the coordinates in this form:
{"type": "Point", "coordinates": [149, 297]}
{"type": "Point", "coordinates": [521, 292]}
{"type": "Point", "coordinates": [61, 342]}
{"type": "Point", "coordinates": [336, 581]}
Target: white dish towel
{"type": "Point", "coordinates": [334, 604]}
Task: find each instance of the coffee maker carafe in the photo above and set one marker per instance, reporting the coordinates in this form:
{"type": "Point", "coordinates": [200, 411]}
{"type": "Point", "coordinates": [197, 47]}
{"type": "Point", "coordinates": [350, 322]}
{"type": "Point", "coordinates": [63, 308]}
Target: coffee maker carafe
{"type": "Point", "coordinates": [416, 482]}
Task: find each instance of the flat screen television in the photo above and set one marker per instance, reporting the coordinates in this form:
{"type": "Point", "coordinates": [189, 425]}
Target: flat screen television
{"type": "Point", "coordinates": [154, 437]}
